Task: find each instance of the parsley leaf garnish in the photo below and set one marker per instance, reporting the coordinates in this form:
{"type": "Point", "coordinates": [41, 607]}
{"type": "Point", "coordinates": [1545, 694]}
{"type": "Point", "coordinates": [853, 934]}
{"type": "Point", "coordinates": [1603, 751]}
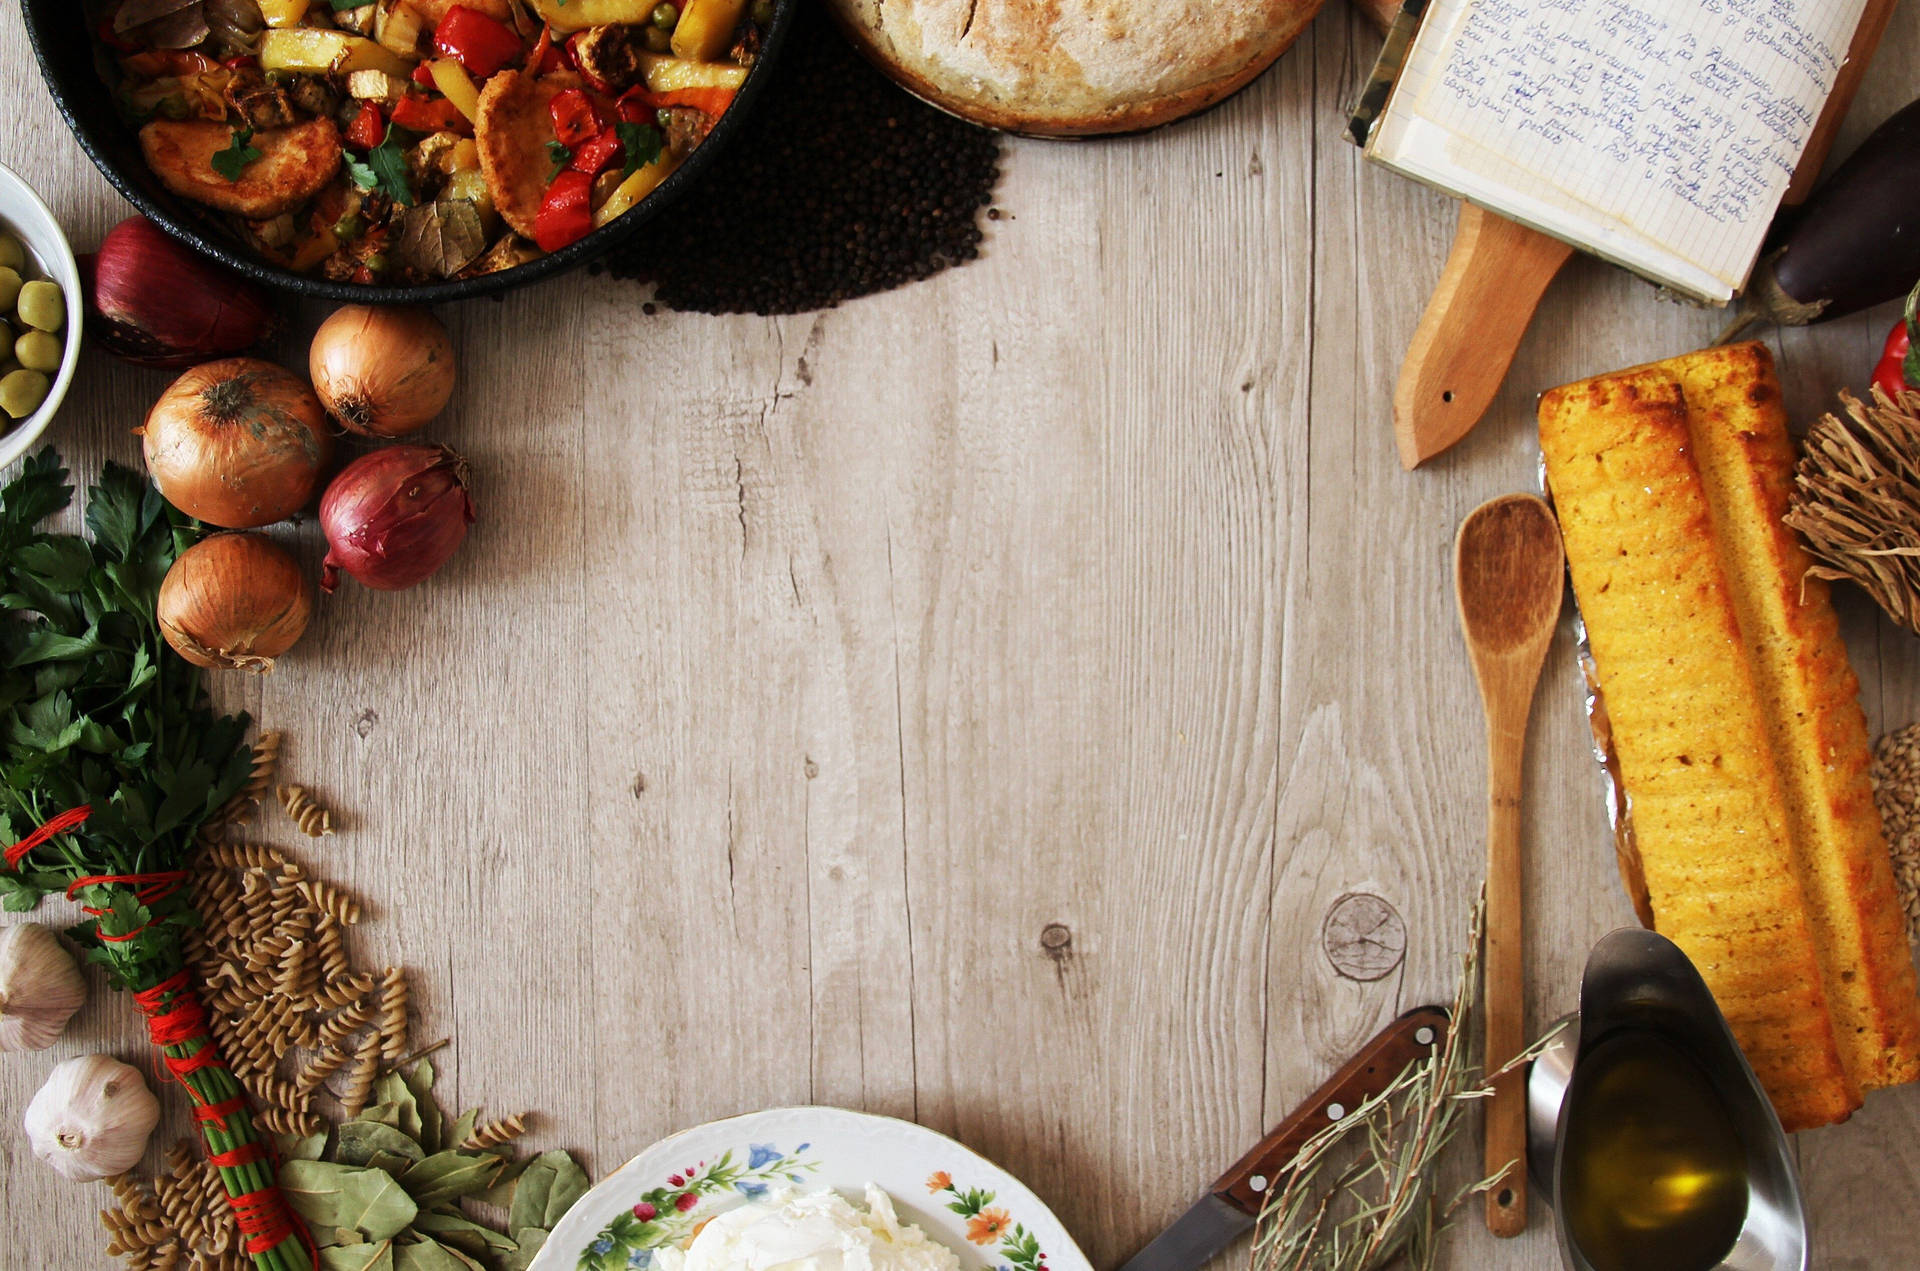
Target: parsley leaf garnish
{"type": "Point", "coordinates": [238, 154]}
{"type": "Point", "coordinates": [640, 142]}
{"type": "Point", "coordinates": [385, 169]}
{"type": "Point", "coordinates": [341, 6]}
{"type": "Point", "coordinates": [561, 157]}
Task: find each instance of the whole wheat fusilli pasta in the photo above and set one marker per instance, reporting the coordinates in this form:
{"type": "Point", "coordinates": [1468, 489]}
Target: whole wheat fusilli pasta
{"type": "Point", "coordinates": [313, 817]}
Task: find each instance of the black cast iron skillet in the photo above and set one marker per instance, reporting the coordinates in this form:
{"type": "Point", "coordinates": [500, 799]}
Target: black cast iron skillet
{"type": "Point", "coordinates": [63, 48]}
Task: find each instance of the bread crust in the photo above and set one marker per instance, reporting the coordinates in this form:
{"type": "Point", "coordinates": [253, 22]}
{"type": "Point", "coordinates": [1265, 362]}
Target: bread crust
{"type": "Point", "coordinates": [1068, 68]}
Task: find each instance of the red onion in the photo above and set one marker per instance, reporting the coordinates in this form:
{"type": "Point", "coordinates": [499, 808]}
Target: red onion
{"type": "Point", "coordinates": [154, 302]}
{"type": "Point", "coordinates": [394, 516]}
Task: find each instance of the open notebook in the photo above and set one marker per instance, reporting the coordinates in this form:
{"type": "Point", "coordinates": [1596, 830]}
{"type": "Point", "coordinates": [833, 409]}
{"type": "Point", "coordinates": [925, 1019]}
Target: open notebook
{"type": "Point", "coordinates": [1658, 134]}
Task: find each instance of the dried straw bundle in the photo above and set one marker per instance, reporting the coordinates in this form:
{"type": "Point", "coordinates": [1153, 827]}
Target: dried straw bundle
{"type": "Point", "coordinates": [1856, 500]}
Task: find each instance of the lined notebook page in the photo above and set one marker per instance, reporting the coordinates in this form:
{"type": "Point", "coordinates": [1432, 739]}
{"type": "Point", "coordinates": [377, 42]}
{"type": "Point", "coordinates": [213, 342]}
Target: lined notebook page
{"type": "Point", "coordinates": [1676, 123]}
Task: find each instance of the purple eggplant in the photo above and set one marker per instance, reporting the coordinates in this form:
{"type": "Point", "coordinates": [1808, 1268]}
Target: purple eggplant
{"type": "Point", "coordinates": [1857, 240]}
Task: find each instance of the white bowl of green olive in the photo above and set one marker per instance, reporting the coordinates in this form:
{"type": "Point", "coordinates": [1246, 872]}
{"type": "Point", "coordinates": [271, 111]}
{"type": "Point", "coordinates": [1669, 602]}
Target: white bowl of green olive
{"type": "Point", "coordinates": [40, 307]}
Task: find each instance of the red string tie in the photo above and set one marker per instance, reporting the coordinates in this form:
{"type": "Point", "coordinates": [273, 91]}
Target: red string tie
{"type": "Point", "coordinates": [58, 825]}
{"type": "Point", "coordinates": [263, 1218]}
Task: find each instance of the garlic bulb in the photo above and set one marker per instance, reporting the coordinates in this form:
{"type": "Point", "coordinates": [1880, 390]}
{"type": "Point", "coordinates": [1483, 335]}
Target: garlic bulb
{"type": "Point", "coordinates": [93, 1118]}
{"type": "Point", "coordinates": [40, 987]}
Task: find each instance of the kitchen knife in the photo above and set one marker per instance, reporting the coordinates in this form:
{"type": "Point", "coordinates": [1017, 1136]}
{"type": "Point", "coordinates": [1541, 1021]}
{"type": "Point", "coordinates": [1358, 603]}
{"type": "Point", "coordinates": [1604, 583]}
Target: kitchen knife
{"type": "Point", "coordinates": [1229, 1208]}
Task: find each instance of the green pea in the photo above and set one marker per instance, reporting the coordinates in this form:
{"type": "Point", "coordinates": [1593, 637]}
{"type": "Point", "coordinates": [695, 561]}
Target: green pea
{"type": "Point", "coordinates": [376, 263]}
{"type": "Point", "coordinates": [666, 15]}
{"type": "Point", "coordinates": [38, 351]}
{"type": "Point", "coordinates": [762, 12]}
{"type": "Point", "coordinates": [22, 392]}
{"type": "Point", "coordinates": [12, 254]}
{"type": "Point", "coordinates": [348, 226]}
{"type": "Point", "coordinates": [174, 107]}
{"type": "Point", "coordinates": [658, 41]}
{"type": "Point", "coordinates": [42, 304]}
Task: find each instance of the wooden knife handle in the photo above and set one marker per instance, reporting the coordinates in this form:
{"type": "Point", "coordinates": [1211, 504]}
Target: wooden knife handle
{"type": "Point", "coordinates": [1470, 331]}
{"type": "Point", "coordinates": [1412, 1036]}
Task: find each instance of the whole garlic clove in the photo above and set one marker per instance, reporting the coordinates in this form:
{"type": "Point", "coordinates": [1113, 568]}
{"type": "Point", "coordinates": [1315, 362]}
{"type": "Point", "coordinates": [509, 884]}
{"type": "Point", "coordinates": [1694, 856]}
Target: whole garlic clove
{"type": "Point", "coordinates": [92, 1118]}
{"type": "Point", "coordinates": [40, 987]}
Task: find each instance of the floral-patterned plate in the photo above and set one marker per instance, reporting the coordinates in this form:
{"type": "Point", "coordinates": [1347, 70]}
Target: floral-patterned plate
{"type": "Point", "coordinates": [956, 1196]}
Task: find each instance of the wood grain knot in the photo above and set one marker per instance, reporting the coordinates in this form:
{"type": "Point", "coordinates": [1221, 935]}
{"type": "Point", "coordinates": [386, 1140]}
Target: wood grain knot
{"type": "Point", "coordinates": [363, 725]}
{"type": "Point", "coordinates": [1056, 938]}
{"type": "Point", "coordinates": [639, 786]}
{"type": "Point", "coordinates": [1364, 937]}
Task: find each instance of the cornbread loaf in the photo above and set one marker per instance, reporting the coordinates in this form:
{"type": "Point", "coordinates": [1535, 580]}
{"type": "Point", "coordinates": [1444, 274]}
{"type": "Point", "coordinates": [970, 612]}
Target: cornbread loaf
{"type": "Point", "coordinates": [1072, 67]}
{"type": "Point", "coordinates": [1689, 728]}
{"type": "Point", "coordinates": [1810, 698]}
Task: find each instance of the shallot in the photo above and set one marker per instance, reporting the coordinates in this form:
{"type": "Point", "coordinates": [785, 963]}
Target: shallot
{"type": "Point", "coordinates": [395, 516]}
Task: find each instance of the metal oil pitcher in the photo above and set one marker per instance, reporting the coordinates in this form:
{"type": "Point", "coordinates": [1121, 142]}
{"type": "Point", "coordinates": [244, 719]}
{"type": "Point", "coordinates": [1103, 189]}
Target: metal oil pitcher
{"type": "Point", "coordinates": [1641, 998]}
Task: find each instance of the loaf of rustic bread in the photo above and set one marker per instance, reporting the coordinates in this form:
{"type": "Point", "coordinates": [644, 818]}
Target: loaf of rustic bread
{"type": "Point", "coordinates": [1741, 745]}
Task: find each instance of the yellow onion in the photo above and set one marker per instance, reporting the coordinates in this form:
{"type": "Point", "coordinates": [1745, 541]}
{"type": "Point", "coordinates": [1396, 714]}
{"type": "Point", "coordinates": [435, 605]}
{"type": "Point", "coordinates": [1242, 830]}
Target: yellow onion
{"type": "Point", "coordinates": [395, 516]}
{"type": "Point", "coordinates": [382, 371]}
{"type": "Point", "coordinates": [235, 601]}
{"type": "Point", "coordinates": [237, 443]}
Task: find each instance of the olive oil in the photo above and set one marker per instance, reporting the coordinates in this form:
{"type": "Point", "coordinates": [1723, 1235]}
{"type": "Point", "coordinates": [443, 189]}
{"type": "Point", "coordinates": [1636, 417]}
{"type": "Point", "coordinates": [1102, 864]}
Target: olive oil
{"type": "Point", "coordinates": [1653, 1173]}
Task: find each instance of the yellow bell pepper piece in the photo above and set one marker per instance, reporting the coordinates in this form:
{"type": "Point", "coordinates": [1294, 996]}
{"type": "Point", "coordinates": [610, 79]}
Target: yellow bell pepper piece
{"type": "Point", "coordinates": [578, 15]}
{"type": "Point", "coordinates": [627, 195]}
{"type": "Point", "coordinates": [706, 28]}
{"type": "Point", "coordinates": [452, 79]}
{"type": "Point", "coordinates": [668, 74]}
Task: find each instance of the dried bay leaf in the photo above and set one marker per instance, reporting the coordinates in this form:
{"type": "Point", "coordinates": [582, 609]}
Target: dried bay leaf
{"type": "Point", "coordinates": [433, 1121]}
{"type": "Point", "coordinates": [450, 1175]}
{"type": "Point", "coordinates": [500, 1194]}
{"type": "Point", "coordinates": [429, 1255]}
{"type": "Point", "coordinates": [331, 1195]}
{"type": "Point", "coordinates": [359, 1140]}
{"type": "Point", "coordinates": [530, 1194]}
{"type": "Point", "coordinates": [390, 1163]}
{"type": "Point", "coordinates": [385, 1114]}
{"type": "Point", "coordinates": [366, 1257]}
{"type": "Point", "coordinates": [392, 1091]}
{"type": "Point", "coordinates": [461, 1233]}
{"type": "Point", "coordinates": [440, 239]}
{"type": "Point", "coordinates": [569, 1185]}
{"type": "Point", "coordinates": [463, 1128]}
{"type": "Point", "coordinates": [527, 1242]}
{"type": "Point", "coordinates": [294, 1147]}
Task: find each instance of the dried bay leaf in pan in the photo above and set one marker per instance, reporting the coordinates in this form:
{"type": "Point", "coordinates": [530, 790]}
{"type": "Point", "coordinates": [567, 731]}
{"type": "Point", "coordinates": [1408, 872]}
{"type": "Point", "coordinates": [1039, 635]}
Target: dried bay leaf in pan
{"type": "Point", "coordinates": [360, 1140]}
{"type": "Point", "coordinates": [328, 1195]}
{"type": "Point", "coordinates": [440, 239]}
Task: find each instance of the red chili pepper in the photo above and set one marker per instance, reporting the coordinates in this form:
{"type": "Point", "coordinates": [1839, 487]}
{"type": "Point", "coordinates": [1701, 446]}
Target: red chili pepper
{"type": "Point", "coordinates": [1890, 372]}
{"type": "Point", "coordinates": [423, 75]}
{"type": "Point", "coordinates": [566, 213]}
{"type": "Point", "coordinates": [367, 128]}
{"type": "Point", "coordinates": [431, 114]}
{"type": "Point", "coordinates": [593, 155]}
{"type": "Point", "coordinates": [481, 44]}
{"type": "Point", "coordinates": [574, 119]}
{"type": "Point", "coordinates": [240, 63]}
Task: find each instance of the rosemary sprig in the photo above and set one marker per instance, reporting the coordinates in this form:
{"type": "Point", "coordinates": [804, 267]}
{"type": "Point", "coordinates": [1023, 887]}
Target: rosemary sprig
{"type": "Point", "coordinates": [1366, 1189]}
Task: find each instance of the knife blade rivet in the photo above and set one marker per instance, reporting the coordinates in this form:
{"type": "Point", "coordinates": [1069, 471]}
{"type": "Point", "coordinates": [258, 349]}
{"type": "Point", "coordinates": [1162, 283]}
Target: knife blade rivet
{"type": "Point", "coordinates": [1423, 1035]}
{"type": "Point", "coordinates": [1257, 1183]}
{"type": "Point", "coordinates": [1335, 1111]}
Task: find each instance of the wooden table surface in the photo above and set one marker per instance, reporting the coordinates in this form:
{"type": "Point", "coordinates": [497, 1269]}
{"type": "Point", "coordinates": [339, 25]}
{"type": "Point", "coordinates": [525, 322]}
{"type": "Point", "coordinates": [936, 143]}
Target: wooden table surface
{"type": "Point", "coordinates": [969, 703]}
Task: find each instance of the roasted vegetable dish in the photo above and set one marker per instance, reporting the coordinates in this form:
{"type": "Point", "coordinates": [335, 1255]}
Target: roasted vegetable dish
{"type": "Point", "coordinates": [406, 142]}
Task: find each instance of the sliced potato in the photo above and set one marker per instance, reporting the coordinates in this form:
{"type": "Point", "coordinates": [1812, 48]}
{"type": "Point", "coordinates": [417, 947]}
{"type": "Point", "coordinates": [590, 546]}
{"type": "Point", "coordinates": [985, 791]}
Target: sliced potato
{"type": "Point", "coordinates": [666, 74]}
{"type": "Point", "coordinates": [706, 28]}
{"type": "Point", "coordinates": [283, 12]}
{"type": "Point", "coordinates": [464, 157]}
{"type": "Point", "coordinates": [452, 80]}
{"type": "Point", "coordinates": [359, 19]}
{"type": "Point", "coordinates": [577, 15]}
{"type": "Point", "coordinates": [376, 86]}
{"type": "Point", "coordinates": [512, 129]}
{"type": "Point", "coordinates": [398, 28]}
{"type": "Point", "coordinates": [313, 51]}
{"type": "Point", "coordinates": [636, 187]}
{"type": "Point", "coordinates": [294, 164]}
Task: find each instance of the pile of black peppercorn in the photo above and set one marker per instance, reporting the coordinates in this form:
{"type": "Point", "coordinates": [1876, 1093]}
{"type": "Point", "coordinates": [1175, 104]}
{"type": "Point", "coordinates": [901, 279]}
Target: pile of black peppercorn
{"type": "Point", "coordinates": [839, 185]}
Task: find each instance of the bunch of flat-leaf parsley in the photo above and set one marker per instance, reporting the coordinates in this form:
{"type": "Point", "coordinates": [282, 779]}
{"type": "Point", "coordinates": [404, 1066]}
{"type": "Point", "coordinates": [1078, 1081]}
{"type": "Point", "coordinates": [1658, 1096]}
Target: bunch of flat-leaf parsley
{"type": "Point", "coordinates": [110, 760]}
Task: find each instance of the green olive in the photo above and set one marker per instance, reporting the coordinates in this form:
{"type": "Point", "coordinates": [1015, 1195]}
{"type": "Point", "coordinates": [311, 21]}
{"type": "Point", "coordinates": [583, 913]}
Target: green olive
{"type": "Point", "coordinates": [22, 392]}
{"type": "Point", "coordinates": [42, 304]}
{"type": "Point", "coordinates": [657, 41]}
{"type": "Point", "coordinates": [38, 351]}
{"type": "Point", "coordinates": [12, 254]}
{"type": "Point", "coordinates": [9, 288]}
{"type": "Point", "coordinates": [666, 15]}
{"type": "Point", "coordinates": [762, 12]}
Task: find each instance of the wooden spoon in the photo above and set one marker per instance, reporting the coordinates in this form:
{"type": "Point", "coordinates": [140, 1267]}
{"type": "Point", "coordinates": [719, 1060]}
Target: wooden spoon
{"type": "Point", "coordinates": [1508, 577]}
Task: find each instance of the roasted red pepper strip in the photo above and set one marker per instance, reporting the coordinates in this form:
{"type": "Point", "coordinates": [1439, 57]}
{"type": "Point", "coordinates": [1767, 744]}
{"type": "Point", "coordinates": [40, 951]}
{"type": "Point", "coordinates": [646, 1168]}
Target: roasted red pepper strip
{"type": "Point", "coordinates": [481, 44]}
{"type": "Point", "coordinates": [423, 75]}
{"type": "Point", "coordinates": [574, 119]}
{"type": "Point", "coordinates": [638, 104]}
{"type": "Point", "coordinates": [593, 155]}
{"type": "Point", "coordinates": [430, 114]}
{"type": "Point", "coordinates": [566, 213]}
{"type": "Point", "coordinates": [367, 127]}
